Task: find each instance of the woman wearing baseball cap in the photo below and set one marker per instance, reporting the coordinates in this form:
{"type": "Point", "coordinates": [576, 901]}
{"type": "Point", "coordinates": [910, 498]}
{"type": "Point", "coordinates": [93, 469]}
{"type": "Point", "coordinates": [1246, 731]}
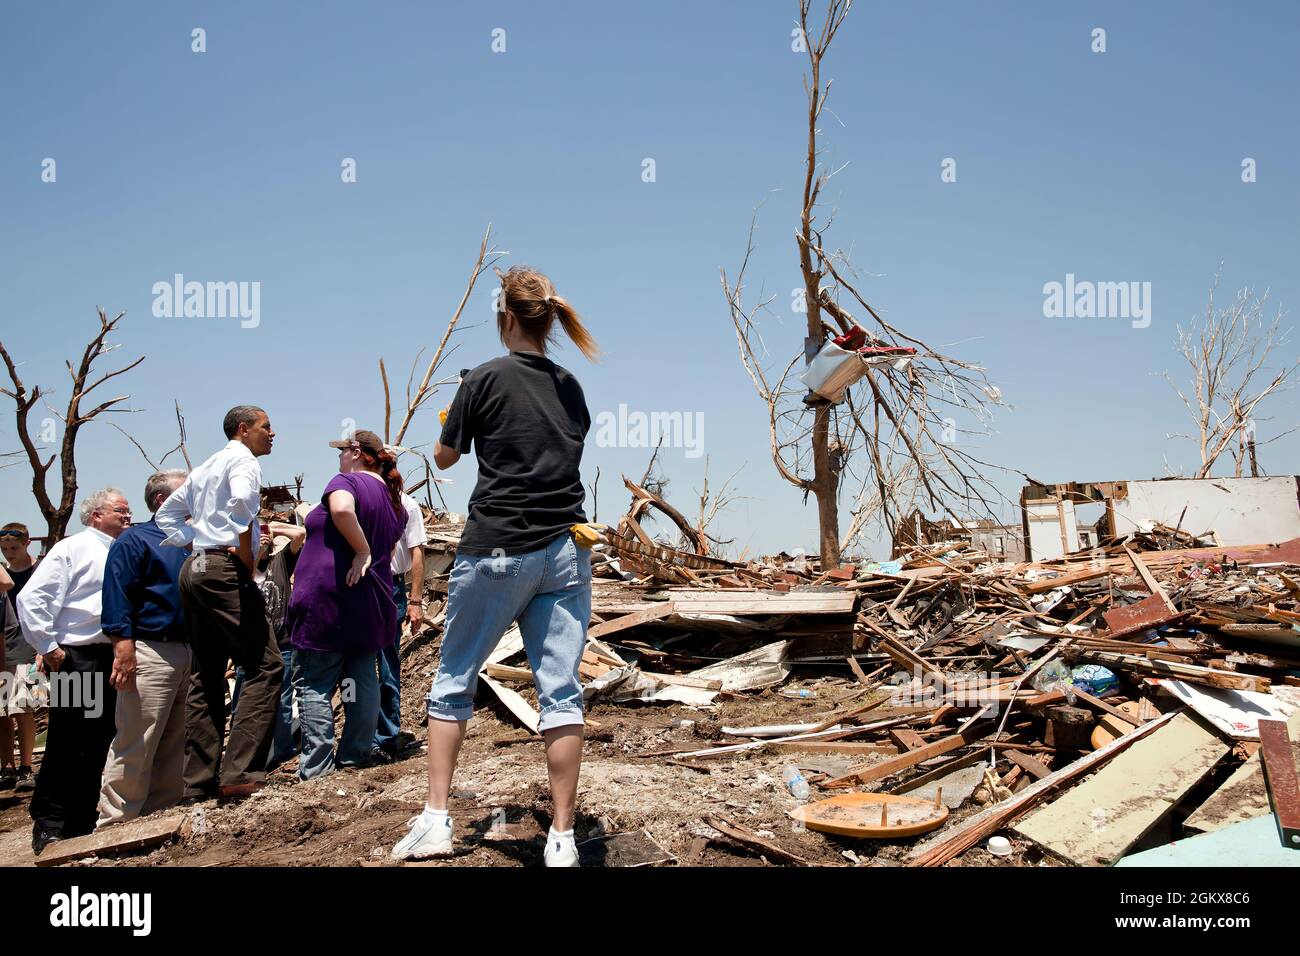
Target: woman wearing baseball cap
{"type": "Point", "coordinates": [341, 611]}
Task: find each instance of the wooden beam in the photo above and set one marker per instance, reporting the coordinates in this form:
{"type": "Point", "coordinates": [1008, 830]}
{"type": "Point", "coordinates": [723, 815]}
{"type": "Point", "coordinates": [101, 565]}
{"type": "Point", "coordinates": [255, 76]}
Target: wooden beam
{"type": "Point", "coordinates": [906, 739]}
{"type": "Point", "coordinates": [1148, 578]}
{"type": "Point", "coordinates": [1188, 672]}
{"type": "Point", "coordinates": [136, 834]}
{"type": "Point", "coordinates": [1031, 765]}
{"type": "Point", "coordinates": [831, 747]}
{"type": "Point", "coordinates": [630, 620]}
{"type": "Point", "coordinates": [1065, 580]}
{"type": "Point", "coordinates": [885, 768]}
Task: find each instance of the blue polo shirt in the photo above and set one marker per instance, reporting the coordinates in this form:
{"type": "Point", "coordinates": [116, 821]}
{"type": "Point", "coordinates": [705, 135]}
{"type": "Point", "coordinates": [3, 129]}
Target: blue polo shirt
{"type": "Point", "coordinates": [142, 594]}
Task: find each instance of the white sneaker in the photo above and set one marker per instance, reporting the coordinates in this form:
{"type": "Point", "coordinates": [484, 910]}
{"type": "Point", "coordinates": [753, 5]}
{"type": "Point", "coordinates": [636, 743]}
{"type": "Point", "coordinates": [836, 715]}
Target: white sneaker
{"type": "Point", "coordinates": [560, 849]}
{"type": "Point", "coordinates": [430, 836]}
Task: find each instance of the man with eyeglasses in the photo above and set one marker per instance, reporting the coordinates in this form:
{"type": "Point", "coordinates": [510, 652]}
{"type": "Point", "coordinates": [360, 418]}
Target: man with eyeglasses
{"type": "Point", "coordinates": [60, 613]}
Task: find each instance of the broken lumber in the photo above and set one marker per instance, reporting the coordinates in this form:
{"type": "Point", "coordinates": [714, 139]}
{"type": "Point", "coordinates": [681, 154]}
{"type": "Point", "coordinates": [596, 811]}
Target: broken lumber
{"type": "Point", "coordinates": [945, 846]}
{"type": "Point", "coordinates": [135, 834]}
{"type": "Point", "coordinates": [748, 838]}
{"type": "Point", "coordinates": [1157, 668]}
{"type": "Point", "coordinates": [886, 768]}
{"type": "Point", "coordinates": [662, 610]}
{"type": "Point", "coordinates": [1096, 822]}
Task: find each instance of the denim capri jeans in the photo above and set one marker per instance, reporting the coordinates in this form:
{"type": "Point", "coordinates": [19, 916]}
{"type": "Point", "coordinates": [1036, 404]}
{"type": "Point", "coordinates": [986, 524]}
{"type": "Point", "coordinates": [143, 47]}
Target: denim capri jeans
{"type": "Point", "coordinates": [548, 591]}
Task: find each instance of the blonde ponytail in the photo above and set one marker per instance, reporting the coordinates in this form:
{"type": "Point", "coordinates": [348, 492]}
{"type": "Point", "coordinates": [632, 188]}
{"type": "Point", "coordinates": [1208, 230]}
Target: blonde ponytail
{"type": "Point", "coordinates": [530, 298]}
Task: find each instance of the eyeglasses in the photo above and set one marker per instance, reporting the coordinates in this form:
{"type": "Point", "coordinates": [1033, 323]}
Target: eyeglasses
{"type": "Point", "coordinates": [12, 533]}
{"type": "Point", "coordinates": [120, 511]}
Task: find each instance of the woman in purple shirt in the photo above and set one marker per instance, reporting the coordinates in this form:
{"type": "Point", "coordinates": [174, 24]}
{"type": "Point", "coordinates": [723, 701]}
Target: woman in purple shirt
{"type": "Point", "coordinates": [341, 612]}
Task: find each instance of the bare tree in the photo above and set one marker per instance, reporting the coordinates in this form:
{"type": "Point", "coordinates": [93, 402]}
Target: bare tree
{"type": "Point", "coordinates": [903, 415]}
{"type": "Point", "coordinates": [713, 502]}
{"type": "Point", "coordinates": [73, 418]}
{"type": "Point", "coordinates": [1227, 355]}
{"type": "Point", "coordinates": [162, 460]}
{"type": "Point", "coordinates": [488, 256]}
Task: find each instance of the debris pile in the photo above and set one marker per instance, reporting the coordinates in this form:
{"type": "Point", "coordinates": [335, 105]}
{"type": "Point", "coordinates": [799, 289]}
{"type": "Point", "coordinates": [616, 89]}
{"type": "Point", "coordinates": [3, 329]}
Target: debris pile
{"type": "Point", "coordinates": [1088, 707]}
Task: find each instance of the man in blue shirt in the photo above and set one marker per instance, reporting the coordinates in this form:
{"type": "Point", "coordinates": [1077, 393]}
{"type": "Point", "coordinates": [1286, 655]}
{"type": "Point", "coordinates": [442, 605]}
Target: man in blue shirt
{"type": "Point", "coordinates": [151, 665]}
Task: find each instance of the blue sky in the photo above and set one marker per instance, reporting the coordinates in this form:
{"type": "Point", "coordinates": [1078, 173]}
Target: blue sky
{"type": "Point", "coordinates": [225, 166]}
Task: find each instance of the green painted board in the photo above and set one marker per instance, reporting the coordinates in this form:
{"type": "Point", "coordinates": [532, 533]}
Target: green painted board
{"type": "Point", "coordinates": [1248, 843]}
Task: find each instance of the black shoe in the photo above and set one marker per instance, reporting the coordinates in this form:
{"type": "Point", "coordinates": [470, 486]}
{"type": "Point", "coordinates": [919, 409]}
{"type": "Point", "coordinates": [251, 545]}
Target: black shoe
{"type": "Point", "coordinates": [375, 758]}
{"type": "Point", "coordinates": [26, 779]}
{"type": "Point", "coordinates": [397, 743]}
{"type": "Point", "coordinates": [8, 778]}
{"type": "Point", "coordinates": [41, 838]}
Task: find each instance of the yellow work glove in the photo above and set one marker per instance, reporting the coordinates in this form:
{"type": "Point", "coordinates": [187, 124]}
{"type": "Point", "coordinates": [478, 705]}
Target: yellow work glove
{"type": "Point", "coordinates": [586, 535]}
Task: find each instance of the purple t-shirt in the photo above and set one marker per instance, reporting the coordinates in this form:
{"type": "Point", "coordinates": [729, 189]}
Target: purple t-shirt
{"type": "Point", "coordinates": [324, 613]}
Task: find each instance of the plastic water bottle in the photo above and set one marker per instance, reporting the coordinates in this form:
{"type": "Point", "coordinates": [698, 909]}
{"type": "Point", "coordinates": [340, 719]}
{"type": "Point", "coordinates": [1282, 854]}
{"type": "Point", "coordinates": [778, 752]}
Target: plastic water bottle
{"type": "Point", "coordinates": [799, 694]}
{"type": "Point", "coordinates": [795, 782]}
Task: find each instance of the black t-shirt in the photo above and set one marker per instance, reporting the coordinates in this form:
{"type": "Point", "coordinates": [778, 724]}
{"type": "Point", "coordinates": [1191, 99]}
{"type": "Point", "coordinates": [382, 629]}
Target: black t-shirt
{"type": "Point", "coordinates": [17, 650]}
{"type": "Point", "coordinates": [526, 419]}
{"type": "Point", "coordinates": [20, 579]}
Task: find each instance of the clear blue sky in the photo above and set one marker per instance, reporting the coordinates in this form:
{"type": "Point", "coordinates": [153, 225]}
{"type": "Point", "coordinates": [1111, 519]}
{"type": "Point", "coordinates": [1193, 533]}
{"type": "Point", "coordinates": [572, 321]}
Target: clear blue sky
{"type": "Point", "coordinates": [225, 166]}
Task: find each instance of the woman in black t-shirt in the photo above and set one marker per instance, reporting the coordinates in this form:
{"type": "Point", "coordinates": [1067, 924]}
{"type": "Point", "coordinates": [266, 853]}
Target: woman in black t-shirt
{"type": "Point", "coordinates": [526, 420]}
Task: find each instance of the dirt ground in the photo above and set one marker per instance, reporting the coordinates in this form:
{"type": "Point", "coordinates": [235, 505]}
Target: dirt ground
{"type": "Point", "coordinates": [501, 805]}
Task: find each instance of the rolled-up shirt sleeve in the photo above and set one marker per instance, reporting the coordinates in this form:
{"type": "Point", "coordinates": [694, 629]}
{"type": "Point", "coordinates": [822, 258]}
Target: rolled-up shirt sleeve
{"type": "Point", "coordinates": [40, 602]}
{"type": "Point", "coordinates": [121, 575]}
{"type": "Point", "coordinates": [171, 517]}
{"type": "Point", "coordinates": [245, 493]}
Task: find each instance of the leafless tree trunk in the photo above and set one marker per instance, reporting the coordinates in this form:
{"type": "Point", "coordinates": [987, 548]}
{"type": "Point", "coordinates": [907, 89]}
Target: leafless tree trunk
{"type": "Point", "coordinates": [901, 415]}
{"type": "Point", "coordinates": [711, 503]}
{"type": "Point", "coordinates": [1227, 355]}
{"type": "Point", "coordinates": [179, 447]}
{"type": "Point", "coordinates": [73, 418]}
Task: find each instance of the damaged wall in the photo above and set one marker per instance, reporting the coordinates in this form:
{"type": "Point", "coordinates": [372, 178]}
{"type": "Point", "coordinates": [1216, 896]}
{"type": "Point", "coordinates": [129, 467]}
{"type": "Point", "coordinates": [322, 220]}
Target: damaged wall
{"type": "Point", "coordinates": [1230, 511]}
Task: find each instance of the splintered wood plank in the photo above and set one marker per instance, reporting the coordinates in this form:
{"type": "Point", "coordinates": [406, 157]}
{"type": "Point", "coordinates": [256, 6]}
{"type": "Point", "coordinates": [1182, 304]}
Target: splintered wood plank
{"type": "Point", "coordinates": [885, 768]}
{"type": "Point", "coordinates": [763, 602]}
{"type": "Point", "coordinates": [514, 703]}
{"type": "Point", "coordinates": [630, 620]}
{"type": "Point", "coordinates": [121, 838]}
{"type": "Point", "coordinates": [1097, 821]}
{"type": "Point", "coordinates": [906, 739]}
{"type": "Point", "coordinates": [1031, 765]}
{"type": "Point", "coordinates": [850, 748]}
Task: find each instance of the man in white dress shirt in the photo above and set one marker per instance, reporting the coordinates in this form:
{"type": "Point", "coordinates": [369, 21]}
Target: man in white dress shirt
{"type": "Point", "coordinates": [225, 613]}
{"type": "Point", "coordinates": [60, 614]}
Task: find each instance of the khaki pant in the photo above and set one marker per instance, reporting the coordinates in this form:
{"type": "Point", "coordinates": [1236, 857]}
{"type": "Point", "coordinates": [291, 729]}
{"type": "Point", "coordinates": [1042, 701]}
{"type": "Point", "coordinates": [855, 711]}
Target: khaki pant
{"type": "Point", "coordinates": [145, 765]}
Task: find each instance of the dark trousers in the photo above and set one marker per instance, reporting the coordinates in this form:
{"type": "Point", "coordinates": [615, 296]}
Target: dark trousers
{"type": "Point", "coordinates": [81, 728]}
{"type": "Point", "coordinates": [226, 620]}
{"type": "Point", "coordinates": [390, 676]}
